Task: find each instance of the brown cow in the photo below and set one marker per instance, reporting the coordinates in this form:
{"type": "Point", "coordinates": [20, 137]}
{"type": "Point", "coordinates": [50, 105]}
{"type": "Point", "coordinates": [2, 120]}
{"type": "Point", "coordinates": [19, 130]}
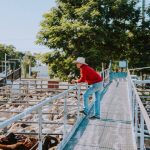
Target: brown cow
{"type": "Point", "coordinates": [21, 142]}
{"type": "Point", "coordinates": [49, 142]}
{"type": "Point", "coordinates": [17, 142]}
{"type": "Point", "coordinates": [17, 146]}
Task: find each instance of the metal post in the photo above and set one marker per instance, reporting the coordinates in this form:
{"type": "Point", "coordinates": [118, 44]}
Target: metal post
{"type": "Point", "coordinates": [131, 96]}
{"type": "Point", "coordinates": [102, 73]}
{"type": "Point", "coordinates": [136, 120]}
{"type": "Point", "coordinates": [40, 128]}
{"type": "Point", "coordinates": [141, 132]}
{"type": "Point", "coordinates": [130, 90]}
{"type": "Point", "coordinates": [133, 108]}
{"type": "Point", "coordinates": [5, 68]}
{"type": "Point", "coordinates": [108, 72]}
{"type": "Point", "coordinates": [5, 65]}
{"type": "Point", "coordinates": [65, 116]}
{"type": "Point", "coordinates": [78, 98]}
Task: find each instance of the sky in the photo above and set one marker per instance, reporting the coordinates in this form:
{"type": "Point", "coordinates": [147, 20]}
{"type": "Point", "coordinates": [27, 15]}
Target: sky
{"type": "Point", "coordinates": [20, 23]}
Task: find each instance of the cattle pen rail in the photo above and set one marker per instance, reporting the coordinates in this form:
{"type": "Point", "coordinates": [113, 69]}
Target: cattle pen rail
{"type": "Point", "coordinates": [18, 94]}
{"type": "Point", "coordinates": [38, 108]}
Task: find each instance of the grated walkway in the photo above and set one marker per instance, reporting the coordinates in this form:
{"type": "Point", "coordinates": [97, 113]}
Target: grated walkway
{"type": "Point", "coordinates": [114, 130]}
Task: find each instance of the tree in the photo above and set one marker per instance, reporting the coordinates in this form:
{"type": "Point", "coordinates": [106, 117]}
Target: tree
{"type": "Point", "coordinates": [59, 65]}
{"type": "Point", "coordinates": [96, 29]}
{"type": "Point", "coordinates": [11, 53]}
{"type": "Point", "coordinates": [27, 62]}
{"type": "Point", "coordinates": [139, 42]}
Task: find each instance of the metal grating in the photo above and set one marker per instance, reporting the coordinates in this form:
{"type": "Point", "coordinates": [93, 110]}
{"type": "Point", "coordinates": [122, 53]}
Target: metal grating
{"type": "Point", "coordinates": [114, 130]}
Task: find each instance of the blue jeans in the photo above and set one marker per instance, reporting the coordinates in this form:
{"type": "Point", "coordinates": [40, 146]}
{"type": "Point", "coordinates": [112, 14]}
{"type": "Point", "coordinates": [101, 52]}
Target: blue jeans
{"type": "Point", "coordinates": [94, 88]}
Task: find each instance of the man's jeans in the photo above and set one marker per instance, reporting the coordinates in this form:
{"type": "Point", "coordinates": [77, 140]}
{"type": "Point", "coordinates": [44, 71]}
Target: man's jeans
{"type": "Point", "coordinates": [94, 88]}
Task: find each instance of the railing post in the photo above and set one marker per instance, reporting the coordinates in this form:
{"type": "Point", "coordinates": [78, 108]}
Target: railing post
{"type": "Point", "coordinates": [78, 98]}
{"type": "Point", "coordinates": [40, 128]}
{"type": "Point", "coordinates": [136, 120]}
{"type": "Point", "coordinates": [133, 108]}
{"type": "Point", "coordinates": [65, 116]}
{"type": "Point", "coordinates": [130, 87]}
{"type": "Point", "coordinates": [141, 132]}
{"type": "Point", "coordinates": [102, 74]}
{"type": "Point", "coordinates": [108, 74]}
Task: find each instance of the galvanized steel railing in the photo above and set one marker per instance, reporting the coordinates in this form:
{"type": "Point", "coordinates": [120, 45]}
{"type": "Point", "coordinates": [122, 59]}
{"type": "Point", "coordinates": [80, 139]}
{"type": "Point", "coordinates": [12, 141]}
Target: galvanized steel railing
{"type": "Point", "coordinates": [140, 117]}
{"type": "Point", "coordinates": [106, 81]}
{"type": "Point", "coordinates": [38, 109]}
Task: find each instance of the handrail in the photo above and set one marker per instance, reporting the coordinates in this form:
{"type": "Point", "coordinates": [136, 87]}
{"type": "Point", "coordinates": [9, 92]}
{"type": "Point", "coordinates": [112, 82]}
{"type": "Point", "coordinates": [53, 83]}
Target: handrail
{"type": "Point", "coordinates": [142, 82]}
{"type": "Point", "coordinates": [38, 107]}
{"type": "Point", "coordinates": [137, 105]}
{"type": "Point", "coordinates": [104, 73]}
{"type": "Point", "coordinates": [33, 108]}
{"type": "Point", "coordinates": [144, 112]}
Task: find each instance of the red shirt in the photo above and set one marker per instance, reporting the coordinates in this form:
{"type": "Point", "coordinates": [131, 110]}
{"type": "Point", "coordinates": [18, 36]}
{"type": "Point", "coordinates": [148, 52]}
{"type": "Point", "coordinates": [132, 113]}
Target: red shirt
{"type": "Point", "coordinates": [89, 75]}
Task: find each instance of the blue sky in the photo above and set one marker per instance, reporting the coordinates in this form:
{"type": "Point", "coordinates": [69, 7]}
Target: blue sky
{"type": "Point", "coordinates": [20, 22]}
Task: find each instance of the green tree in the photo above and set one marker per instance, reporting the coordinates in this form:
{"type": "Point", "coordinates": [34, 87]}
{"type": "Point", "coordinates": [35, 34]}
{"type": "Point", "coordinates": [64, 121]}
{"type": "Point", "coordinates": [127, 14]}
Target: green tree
{"type": "Point", "coordinates": [11, 53]}
{"type": "Point", "coordinates": [10, 50]}
{"type": "Point", "coordinates": [28, 61]}
{"type": "Point", "coordinates": [99, 30]}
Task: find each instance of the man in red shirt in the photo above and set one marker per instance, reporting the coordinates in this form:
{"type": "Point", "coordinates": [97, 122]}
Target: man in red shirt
{"type": "Point", "coordinates": [94, 80]}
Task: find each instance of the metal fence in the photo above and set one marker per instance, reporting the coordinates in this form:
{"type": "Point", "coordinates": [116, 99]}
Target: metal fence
{"type": "Point", "coordinates": [38, 108]}
{"type": "Point", "coordinates": [140, 118]}
{"type": "Point", "coordinates": [75, 91]}
{"type": "Point", "coordinates": [11, 76]}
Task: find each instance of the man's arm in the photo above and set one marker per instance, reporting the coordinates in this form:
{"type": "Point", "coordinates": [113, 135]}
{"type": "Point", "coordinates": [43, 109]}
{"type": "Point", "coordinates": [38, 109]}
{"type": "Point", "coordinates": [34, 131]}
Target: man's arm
{"type": "Point", "coordinates": [82, 78]}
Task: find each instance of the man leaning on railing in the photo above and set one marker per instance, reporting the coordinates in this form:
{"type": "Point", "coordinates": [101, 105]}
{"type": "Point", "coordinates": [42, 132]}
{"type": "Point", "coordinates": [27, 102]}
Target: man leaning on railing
{"type": "Point", "coordinates": [94, 80]}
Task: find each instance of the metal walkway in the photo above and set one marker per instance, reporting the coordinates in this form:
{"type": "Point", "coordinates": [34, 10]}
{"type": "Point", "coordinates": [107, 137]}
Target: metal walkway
{"type": "Point", "coordinates": [114, 130]}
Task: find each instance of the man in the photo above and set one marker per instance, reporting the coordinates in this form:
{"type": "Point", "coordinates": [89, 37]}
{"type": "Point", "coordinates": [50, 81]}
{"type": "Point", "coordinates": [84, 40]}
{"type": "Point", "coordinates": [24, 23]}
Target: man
{"type": "Point", "coordinates": [94, 80]}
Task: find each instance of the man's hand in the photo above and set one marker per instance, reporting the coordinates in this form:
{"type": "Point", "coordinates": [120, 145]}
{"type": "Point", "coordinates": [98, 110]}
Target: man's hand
{"type": "Point", "coordinates": [74, 81]}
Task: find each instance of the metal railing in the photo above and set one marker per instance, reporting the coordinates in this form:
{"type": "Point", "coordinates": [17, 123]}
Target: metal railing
{"type": "Point", "coordinates": [38, 108]}
{"type": "Point", "coordinates": [106, 81]}
{"type": "Point", "coordinates": [140, 118]}
{"type": "Point", "coordinates": [14, 75]}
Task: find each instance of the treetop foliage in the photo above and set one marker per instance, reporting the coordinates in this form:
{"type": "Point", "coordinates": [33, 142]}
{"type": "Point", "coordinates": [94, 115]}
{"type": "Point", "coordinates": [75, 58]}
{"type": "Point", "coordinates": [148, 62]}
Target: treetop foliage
{"type": "Point", "coordinates": [97, 30]}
